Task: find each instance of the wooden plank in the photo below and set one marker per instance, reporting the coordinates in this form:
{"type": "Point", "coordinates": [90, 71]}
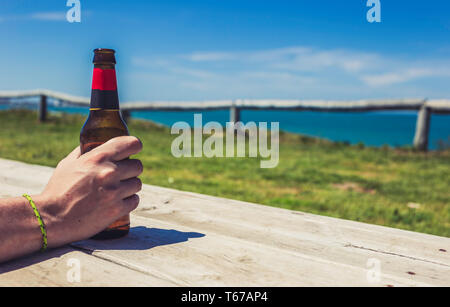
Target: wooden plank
{"type": "Point", "coordinates": [75, 100]}
{"type": "Point", "coordinates": [192, 209]}
{"type": "Point", "coordinates": [67, 266]}
{"type": "Point", "coordinates": [177, 105]}
{"type": "Point", "coordinates": [437, 105]}
{"type": "Point", "coordinates": [272, 104]}
{"type": "Point", "coordinates": [192, 239]}
{"type": "Point", "coordinates": [42, 112]}
{"type": "Point", "coordinates": [200, 257]}
{"type": "Point", "coordinates": [333, 105]}
{"type": "Point", "coordinates": [235, 114]}
{"type": "Point", "coordinates": [422, 129]}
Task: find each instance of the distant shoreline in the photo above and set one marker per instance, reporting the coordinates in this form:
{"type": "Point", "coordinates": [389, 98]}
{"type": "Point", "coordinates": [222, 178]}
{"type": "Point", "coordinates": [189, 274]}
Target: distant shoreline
{"type": "Point", "coordinates": [377, 128]}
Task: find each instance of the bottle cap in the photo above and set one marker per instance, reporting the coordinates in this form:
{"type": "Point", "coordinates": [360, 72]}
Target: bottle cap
{"type": "Point", "coordinates": [104, 56]}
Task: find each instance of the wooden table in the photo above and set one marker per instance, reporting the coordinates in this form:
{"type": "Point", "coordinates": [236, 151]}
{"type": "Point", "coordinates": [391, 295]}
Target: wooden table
{"type": "Point", "coordinates": [187, 239]}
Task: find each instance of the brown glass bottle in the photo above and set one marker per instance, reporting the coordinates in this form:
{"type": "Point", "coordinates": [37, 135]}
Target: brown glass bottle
{"type": "Point", "coordinates": [104, 122]}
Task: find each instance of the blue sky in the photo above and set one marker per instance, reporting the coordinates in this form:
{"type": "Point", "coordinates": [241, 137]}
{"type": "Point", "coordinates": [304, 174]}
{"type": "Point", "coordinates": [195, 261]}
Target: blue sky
{"type": "Point", "coordinates": [191, 50]}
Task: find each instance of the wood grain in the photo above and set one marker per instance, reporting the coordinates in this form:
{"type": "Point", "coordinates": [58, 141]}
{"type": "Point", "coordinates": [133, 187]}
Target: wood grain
{"type": "Point", "coordinates": [188, 239]}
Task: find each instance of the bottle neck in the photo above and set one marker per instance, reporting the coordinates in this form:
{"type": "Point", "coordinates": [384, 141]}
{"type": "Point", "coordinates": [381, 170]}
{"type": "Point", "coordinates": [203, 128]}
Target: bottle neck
{"type": "Point", "coordinates": [104, 94]}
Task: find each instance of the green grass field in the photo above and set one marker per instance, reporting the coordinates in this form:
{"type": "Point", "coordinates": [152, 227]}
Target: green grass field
{"type": "Point", "coordinates": [393, 187]}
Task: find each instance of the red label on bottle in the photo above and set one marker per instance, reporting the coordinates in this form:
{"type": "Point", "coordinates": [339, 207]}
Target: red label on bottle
{"type": "Point", "coordinates": [104, 79]}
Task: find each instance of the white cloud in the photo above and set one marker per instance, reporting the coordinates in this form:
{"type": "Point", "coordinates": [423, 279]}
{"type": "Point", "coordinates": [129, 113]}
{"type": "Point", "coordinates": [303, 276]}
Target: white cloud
{"type": "Point", "coordinates": [42, 16]}
{"type": "Point", "coordinates": [294, 58]}
{"type": "Point", "coordinates": [298, 72]}
{"type": "Point", "coordinates": [49, 16]}
{"type": "Point", "coordinates": [210, 56]}
{"type": "Point", "coordinates": [197, 73]}
{"type": "Point", "coordinates": [385, 79]}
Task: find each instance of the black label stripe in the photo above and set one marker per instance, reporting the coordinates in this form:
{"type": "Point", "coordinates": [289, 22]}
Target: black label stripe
{"type": "Point", "coordinates": [104, 99]}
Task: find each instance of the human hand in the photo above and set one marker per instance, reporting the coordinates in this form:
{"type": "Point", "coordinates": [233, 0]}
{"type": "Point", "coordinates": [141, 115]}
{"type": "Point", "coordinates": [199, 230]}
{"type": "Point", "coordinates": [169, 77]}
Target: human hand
{"type": "Point", "coordinates": [88, 192]}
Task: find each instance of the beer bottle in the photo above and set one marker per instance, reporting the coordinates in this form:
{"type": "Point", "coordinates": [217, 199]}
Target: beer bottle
{"type": "Point", "coordinates": [104, 122]}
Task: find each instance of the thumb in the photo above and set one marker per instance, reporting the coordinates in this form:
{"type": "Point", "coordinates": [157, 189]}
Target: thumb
{"type": "Point", "coordinates": [75, 154]}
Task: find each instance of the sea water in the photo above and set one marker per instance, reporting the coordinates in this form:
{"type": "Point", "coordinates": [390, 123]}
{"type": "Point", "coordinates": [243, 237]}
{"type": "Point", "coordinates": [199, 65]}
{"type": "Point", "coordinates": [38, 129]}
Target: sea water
{"type": "Point", "coordinates": [376, 128]}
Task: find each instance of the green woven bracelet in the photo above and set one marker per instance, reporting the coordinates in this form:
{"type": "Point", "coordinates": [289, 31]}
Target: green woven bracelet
{"type": "Point", "coordinates": [41, 222]}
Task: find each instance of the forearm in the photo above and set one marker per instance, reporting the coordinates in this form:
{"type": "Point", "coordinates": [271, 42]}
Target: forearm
{"type": "Point", "coordinates": [84, 195]}
{"type": "Point", "coordinates": [19, 228]}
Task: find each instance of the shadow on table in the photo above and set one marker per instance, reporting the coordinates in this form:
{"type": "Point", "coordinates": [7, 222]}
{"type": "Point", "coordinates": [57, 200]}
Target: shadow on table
{"type": "Point", "coordinates": [139, 238]}
{"type": "Point", "coordinates": [33, 258]}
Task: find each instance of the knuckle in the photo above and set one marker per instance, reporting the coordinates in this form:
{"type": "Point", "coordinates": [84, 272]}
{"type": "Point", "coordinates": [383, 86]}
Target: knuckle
{"type": "Point", "coordinates": [101, 177]}
{"type": "Point", "coordinates": [97, 180]}
{"type": "Point", "coordinates": [112, 167]}
{"type": "Point", "coordinates": [101, 194]}
{"type": "Point", "coordinates": [110, 194]}
{"type": "Point", "coordinates": [114, 211]}
{"type": "Point", "coordinates": [99, 157]}
{"type": "Point", "coordinates": [106, 174]}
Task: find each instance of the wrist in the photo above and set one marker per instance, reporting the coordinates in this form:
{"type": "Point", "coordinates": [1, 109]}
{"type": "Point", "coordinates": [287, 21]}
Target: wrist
{"type": "Point", "coordinates": [47, 208]}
